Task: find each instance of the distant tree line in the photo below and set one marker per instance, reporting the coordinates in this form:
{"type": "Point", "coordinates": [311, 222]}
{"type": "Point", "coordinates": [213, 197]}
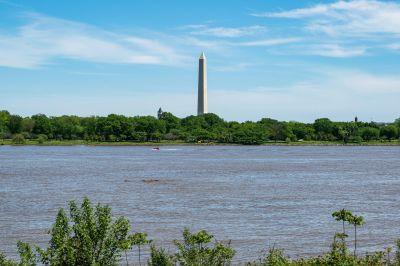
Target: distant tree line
{"type": "Point", "coordinates": [203, 128]}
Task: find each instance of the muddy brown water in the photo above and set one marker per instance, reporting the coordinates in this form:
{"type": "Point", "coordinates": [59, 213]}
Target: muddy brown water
{"type": "Point", "coordinates": [257, 197]}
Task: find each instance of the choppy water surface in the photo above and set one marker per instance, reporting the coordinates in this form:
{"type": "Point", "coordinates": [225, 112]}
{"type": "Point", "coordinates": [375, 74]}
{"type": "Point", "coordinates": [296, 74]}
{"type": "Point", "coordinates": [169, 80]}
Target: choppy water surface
{"type": "Point", "coordinates": [254, 196]}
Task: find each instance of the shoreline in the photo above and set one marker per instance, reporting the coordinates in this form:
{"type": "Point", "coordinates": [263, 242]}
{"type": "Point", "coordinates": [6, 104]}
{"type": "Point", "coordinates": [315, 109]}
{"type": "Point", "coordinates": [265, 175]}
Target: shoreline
{"type": "Point", "coordinates": [180, 143]}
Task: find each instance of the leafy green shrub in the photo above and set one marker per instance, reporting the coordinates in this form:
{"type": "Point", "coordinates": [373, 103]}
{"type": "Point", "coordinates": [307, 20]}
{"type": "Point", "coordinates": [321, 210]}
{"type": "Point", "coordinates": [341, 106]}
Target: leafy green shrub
{"type": "Point", "coordinates": [197, 250]}
{"type": "Point", "coordinates": [112, 138]}
{"type": "Point", "coordinates": [358, 139]}
{"type": "Point", "coordinates": [88, 236]}
{"type": "Point", "coordinates": [339, 254]}
{"type": "Point", "coordinates": [26, 135]}
{"type": "Point", "coordinates": [138, 239]}
{"type": "Point", "coordinates": [6, 262]}
{"type": "Point", "coordinates": [369, 133]}
{"type": "Point", "coordinates": [275, 257]}
{"type": "Point", "coordinates": [41, 138]}
{"type": "Point", "coordinates": [397, 255]}
{"type": "Point", "coordinates": [159, 257]}
{"type": "Point", "coordinates": [18, 139]}
{"type": "Point", "coordinates": [27, 256]}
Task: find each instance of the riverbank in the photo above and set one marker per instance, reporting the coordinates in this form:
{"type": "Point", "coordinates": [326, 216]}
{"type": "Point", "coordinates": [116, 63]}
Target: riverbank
{"type": "Point", "coordinates": [180, 143]}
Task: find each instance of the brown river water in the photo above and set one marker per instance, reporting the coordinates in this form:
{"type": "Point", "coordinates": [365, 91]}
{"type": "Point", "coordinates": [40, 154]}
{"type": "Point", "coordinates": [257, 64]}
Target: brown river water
{"type": "Point", "coordinates": [255, 196]}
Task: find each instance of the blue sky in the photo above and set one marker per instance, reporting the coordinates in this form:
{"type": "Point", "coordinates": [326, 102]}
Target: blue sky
{"type": "Point", "coordinates": [289, 60]}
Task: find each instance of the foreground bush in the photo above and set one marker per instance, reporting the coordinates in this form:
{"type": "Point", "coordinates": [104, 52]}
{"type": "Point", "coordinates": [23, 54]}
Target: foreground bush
{"type": "Point", "coordinates": [89, 236]}
{"type": "Point", "coordinates": [338, 255]}
{"type": "Point", "coordinates": [196, 250]}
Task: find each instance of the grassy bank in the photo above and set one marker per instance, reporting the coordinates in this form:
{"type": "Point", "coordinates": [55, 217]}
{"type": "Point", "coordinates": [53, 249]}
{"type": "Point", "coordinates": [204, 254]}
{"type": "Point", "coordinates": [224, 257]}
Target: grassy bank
{"type": "Point", "coordinates": [179, 142]}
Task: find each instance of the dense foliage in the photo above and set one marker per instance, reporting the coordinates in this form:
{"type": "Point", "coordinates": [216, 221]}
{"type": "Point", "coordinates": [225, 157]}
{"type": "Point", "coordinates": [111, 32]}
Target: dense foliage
{"type": "Point", "coordinates": [89, 236]}
{"type": "Point", "coordinates": [203, 128]}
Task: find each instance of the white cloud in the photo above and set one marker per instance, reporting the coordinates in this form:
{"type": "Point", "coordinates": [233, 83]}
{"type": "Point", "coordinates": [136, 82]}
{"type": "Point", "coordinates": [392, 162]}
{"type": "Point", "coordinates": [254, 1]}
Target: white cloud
{"type": "Point", "coordinates": [348, 18]}
{"type": "Point", "coordinates": [45, 38]}
{"type": "Point", "coordinates": [209, 45]}
{"type": "Point", "coordinates": [269, 42]}
{"type": "Point", "coordinates": [394, 46]}
{"type": "Point", "coordinates": [334, 50]}
{"type": "Point", "coordinates": [225, 32]}
{"type": "Point", "coordinates": [344, 28]}
{"type": "Point", "coordinates": [368, 84]}
{"type": "Point", "coordinates": [221, 45]}
{"type": "Point", "coordinates": [231, 67]}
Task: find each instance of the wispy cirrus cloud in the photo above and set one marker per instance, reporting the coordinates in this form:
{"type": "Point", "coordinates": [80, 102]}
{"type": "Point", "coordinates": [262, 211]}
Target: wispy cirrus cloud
{"type": "Point", "coordinates": [45, 39]}
{"type": "Point", "coordinates": [269, 42]}
{"type": "Point", "coordinates": [231, 67]}
{"type": "Point", "coordinates": [347, 18]}
{"type": "Point", "coordinates": [344, 28]}
{"type": "Point", "coordinates": [335, 50]}
{"type": "Point", "coordinates": [210, 45]}
{"type": "Point", "coordinates": [224, 32]}
{"type": "Point", "coordinates": [394, 46]}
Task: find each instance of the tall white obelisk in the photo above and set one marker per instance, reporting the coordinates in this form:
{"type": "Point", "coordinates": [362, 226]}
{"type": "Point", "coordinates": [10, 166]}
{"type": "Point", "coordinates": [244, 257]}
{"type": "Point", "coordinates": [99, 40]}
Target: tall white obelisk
{"type": "Point", "coordinates": [202, 106]}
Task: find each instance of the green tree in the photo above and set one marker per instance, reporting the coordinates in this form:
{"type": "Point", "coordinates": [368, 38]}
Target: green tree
{"type": "Point", "coordinates": [27, 125]}
{"type": "Point", "coordinates": [342, 215]}
{"type": "Point", "coordinates": [27, 255]}
{"type": "Point", "coordinates": [67, 127]}
{"type": "Point", "coordinates": [356, 221]}
{"type": "Point", "coordinates": [159, 257]}
{"type": "Point", "coordinates": [18, 139]}
{"type": "Point", "coordinates": [88, 236]}
{"type": "Point", "coordinates": [390, 132]}
{"type": "Point", "coordinates": [15, 124]}
{"type": "Point", "coordinates": [397, 255]}
{"type": "Point", "coordinates": [6, 262]}
{"type": "Point", "coordinates": [41, 138]}
{"type": "Point", "coordinates": [369, 133]}
{"type": "Point", "coordinates": [301, 130]}
{"type": "Point", "coordinates": [4, 120]}
{"type": "Point", "coordinates": [212, 120]}
{"type": "Point", "coordinates": [193, 122]}
{"type": "Point", "coordinates": [275, 257]}
{"type": "Point", "coordinates": [343, 134]}
{"type": "Point", "coordinates": [324, 128]}
{"type": "Point", "coordinates": [249, 133]}
{"type": "Point", "coordinates": [150, 125]}
{"type": "Point", "coordinates": [397, 123]}
{"type": "Point", "coordinates": [139, 239]}
{"type": "Point", "coordinates": [197, 250]}
{"type": "Point", "coordinates": [171, 121]}
{"type": "Point", "coordinates": [279, 131]}
{"type": "Point", "coordinates": [90, 128]}
{"type": "Point", "coordinates": [339, 254]}
{"type": "Point", "coordinates": [42, 125]}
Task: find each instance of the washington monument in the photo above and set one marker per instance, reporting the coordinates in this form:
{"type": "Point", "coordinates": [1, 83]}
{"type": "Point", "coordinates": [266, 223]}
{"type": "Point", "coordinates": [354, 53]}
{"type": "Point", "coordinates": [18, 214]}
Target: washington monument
{"type": "Point", "coordinates": [202, 106]}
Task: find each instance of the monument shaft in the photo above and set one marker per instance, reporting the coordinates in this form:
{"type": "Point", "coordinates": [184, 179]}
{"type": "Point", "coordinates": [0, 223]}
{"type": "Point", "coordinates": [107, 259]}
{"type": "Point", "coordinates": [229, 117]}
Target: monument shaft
{"type": "Point", "coordinates": [202, 105]}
